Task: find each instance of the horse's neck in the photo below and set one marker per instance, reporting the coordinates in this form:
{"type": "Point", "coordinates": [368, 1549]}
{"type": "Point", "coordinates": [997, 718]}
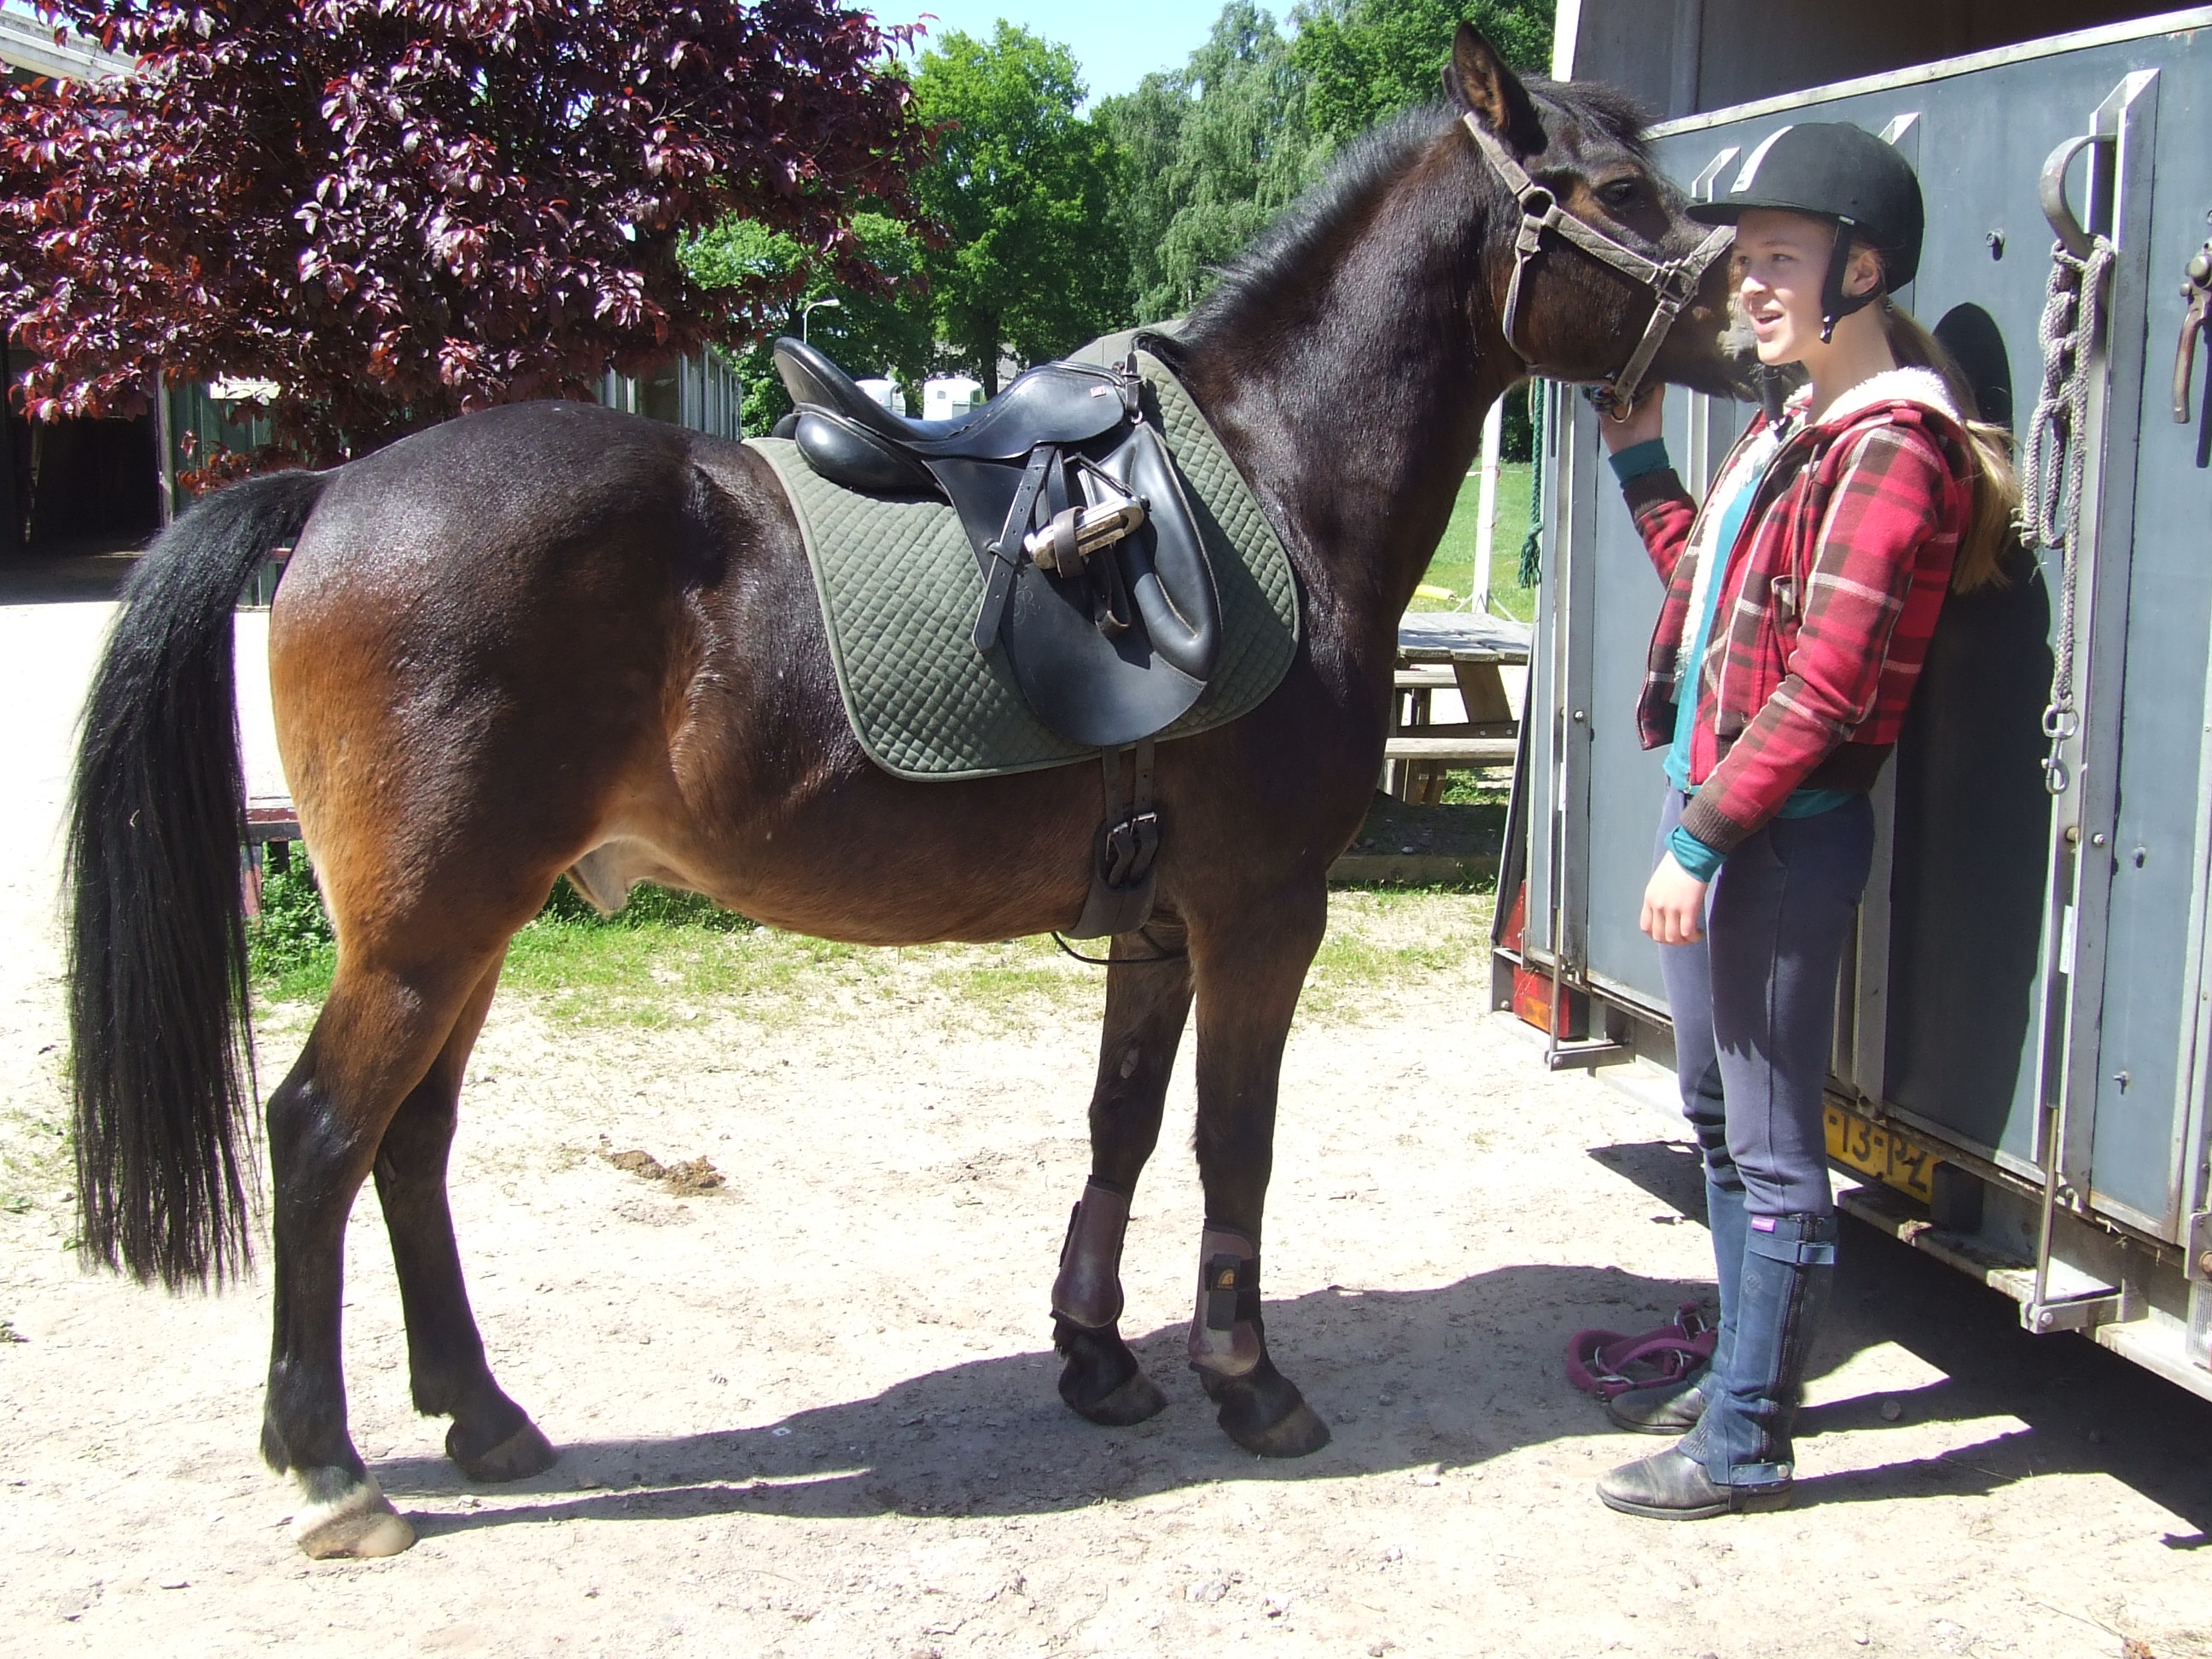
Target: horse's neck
{"type": "Point", "coordinates": [1356, 432]}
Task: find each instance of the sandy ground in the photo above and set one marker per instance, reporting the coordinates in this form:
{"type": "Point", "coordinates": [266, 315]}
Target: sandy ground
{"type": "Point", "coordinates": [812, 1413]}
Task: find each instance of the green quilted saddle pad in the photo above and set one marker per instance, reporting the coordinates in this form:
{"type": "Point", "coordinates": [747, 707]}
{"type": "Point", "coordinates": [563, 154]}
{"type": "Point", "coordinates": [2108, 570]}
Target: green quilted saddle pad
{"type": "Point", "coordinates": [899, 587]}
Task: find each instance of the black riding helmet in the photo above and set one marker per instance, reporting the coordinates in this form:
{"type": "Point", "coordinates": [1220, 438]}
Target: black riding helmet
{"type": "Point", "coordinates": [1834, 171]}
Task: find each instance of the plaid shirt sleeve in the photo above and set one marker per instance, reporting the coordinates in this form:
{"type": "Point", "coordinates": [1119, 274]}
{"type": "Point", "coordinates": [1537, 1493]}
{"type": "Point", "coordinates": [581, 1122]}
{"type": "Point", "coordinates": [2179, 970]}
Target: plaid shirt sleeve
{"type": "Point", "coordinates": [1887, 505]}
{"type": "Point", "coordinates": [1663, 512]}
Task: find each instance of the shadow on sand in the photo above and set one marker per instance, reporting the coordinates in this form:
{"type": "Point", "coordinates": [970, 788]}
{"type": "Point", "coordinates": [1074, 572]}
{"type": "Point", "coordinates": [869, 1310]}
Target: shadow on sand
{"type": "Point", "coordinates": [1412, 1381]}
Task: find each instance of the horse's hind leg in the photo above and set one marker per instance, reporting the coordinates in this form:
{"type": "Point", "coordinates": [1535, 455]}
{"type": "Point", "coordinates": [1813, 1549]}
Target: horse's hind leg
{"type": "Point", "coordinates": [492, 1438]}
{"type": "Point", "coordinates": [1147, 1004]}
{"type": "Point", "coordinates": [375, 1041]}
{"type": "Point", "coordinates": [1249, 968]}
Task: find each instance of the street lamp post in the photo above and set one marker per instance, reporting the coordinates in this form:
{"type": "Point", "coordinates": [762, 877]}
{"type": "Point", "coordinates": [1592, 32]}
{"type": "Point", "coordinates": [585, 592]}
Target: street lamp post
{"type": "Point", "coordinates": [829, 302]}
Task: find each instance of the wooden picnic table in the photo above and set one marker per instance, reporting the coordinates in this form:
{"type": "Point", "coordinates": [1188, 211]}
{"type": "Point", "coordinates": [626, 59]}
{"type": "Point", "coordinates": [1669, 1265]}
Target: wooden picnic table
{"type": "Point", "coordinates": [1451, 650]}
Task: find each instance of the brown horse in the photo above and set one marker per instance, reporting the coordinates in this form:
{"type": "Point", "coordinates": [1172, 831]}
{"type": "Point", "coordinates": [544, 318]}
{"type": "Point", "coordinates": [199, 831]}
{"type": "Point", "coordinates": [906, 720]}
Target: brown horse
{"type": "Point", "coordinates": [549, 631]}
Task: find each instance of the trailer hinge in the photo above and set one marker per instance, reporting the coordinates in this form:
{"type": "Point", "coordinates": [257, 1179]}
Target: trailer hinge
{"type": "Point", "coordinates": [2199, 1265]}
{"type": "Point", "coordinates": [2072, 1313]}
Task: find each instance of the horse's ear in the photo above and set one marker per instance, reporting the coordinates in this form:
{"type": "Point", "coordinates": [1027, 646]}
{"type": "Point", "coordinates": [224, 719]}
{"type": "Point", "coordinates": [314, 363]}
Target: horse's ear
{"type": "Point", "coordinates": [1478, 81]}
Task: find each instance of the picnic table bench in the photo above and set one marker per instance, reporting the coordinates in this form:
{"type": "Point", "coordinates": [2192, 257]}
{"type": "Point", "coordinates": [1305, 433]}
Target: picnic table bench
{"type": "Point", "coordinates": [1451, 650]}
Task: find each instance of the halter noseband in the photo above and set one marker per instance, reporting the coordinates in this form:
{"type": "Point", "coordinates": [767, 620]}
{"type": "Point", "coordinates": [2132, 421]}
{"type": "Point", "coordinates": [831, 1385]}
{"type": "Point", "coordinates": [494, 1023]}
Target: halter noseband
{"type": "Point", "coordinates": [1672, 284]}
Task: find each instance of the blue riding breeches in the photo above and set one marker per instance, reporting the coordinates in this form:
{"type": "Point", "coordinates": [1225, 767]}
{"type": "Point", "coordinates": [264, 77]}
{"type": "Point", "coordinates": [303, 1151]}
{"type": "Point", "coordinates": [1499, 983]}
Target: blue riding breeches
{"type": "Point", "coordinates": [1753, 1002]}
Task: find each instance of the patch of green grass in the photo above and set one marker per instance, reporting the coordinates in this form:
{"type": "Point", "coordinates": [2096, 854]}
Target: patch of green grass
{"type": "Point", "coordinates": [1476, 789]}
{"type": "Point", "coordinates": [991, 981]}
{"type": "Point", "coordinates": [291, 937]}
{"type": "Point", "coordinates": [1387, 944]}
{"type": "Point", "coordinates": [692, 961]}
{"type": "Point", "coordinates": [662, 973]}
{"type": "Point", "coordinates": [570, 947]}
{"type": "Point", "coordinates": [1453, 567]}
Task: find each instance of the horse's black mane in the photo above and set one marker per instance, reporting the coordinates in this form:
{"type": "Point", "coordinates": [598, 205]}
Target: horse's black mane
{"type": "Point", "coordinates": [1366, 167]}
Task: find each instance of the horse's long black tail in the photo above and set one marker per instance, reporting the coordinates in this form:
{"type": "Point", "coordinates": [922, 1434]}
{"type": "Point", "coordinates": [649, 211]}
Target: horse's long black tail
{"type": "Point", "coordinates": [162, 1057]}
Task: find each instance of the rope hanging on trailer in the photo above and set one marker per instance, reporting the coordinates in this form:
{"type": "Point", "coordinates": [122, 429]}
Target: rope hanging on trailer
{"type": "Point", "coordinates": [2052, 460]}
{"type": "Point", "coordinates": [1532, 549]}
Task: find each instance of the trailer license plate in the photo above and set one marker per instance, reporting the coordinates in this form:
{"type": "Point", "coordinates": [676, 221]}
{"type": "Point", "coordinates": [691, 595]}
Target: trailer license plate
{"type": "Point", "coordinates": [1887, 1156]}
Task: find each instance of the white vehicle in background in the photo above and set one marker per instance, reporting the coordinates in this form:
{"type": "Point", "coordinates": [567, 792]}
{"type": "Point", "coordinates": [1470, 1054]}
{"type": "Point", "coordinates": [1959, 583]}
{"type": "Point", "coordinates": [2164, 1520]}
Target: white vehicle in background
{"type": "Point", "coordinates": [949, 396]}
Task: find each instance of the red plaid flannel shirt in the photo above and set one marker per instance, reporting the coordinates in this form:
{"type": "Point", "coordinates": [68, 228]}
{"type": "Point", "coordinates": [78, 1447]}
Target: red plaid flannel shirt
{"type": "Point", "coordinates": [1829, 604]}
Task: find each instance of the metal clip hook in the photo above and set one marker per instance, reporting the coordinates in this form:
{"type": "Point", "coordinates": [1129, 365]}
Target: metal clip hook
{"type": "Point", "coordinates": [2051, 189]}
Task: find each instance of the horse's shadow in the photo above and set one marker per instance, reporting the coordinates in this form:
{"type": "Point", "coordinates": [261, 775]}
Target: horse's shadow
{"type": "Point", "coordinates": [1428, 1383]}
{"type": "Point", "coordinates": [1432, 1380]}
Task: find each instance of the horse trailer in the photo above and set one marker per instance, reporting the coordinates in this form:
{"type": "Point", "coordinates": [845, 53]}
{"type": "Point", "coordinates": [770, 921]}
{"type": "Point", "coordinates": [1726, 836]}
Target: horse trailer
{"type": "Point", "coordinates": [2023, 1056]}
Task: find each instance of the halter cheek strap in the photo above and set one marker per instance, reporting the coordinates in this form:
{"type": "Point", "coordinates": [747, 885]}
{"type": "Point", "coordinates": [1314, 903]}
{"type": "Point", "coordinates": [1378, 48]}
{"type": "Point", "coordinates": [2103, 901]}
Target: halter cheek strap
{"type": "Point", "coordinates": [1673, 283]}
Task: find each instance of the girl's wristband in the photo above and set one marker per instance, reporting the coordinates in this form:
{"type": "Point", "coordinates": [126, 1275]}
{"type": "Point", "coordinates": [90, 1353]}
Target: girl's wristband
{"type": "Point", "coordinates": [1693, 856]}
{"type": "Point", "coordinates": [1635, 460]}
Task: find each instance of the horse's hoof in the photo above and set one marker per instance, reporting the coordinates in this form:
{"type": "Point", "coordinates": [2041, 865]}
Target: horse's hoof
{"type": "Point", "coordinates": [1295, 1436]}
{"type": "Point", "coordinates": [521, 1455]}
{"type": "Point", "coordinates": [1263, 1412]}
{"type": "Point", "coordinates": [1138, 1398]}
{"type": "Point", "coordinates": [358, 1524]}
{"type": "Point", "coordinates": [1102, 1380]}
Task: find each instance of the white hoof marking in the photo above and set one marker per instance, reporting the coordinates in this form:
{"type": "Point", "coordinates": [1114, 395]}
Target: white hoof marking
{"type": "Point", "coordinates": [359, 1523]}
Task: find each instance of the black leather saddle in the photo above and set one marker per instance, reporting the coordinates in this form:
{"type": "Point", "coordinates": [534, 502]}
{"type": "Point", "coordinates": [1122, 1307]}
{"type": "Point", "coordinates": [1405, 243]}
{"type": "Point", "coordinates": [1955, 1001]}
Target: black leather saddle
{"type": "Point", "coordinates": [1096, 582]}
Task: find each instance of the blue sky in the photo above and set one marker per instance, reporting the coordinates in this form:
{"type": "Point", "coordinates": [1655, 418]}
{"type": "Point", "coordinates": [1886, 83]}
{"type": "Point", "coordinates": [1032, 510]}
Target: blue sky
{"type": "Point", "coordinates": [1117, 44]}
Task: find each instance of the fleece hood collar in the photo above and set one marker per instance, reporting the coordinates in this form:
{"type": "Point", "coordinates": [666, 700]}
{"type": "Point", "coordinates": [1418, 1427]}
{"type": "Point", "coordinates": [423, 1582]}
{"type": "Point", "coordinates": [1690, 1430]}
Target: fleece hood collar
{"type": "Point", "coordinates": [1923, 386]}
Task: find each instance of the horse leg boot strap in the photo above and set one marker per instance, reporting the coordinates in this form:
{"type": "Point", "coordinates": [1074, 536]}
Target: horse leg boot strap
{"type": "Point", "coordinates": [1225, 1331]}
{"type": "Point", "coordinates": [1087, 1291]}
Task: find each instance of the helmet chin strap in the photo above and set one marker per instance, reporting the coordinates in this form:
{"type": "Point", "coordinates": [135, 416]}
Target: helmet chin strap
{"type": "Point", "coordinates": [1835, 304]}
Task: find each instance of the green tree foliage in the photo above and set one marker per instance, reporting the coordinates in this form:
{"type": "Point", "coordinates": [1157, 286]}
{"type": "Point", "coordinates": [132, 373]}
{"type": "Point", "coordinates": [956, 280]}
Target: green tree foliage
{"type": "Point", "coordinates": [1362, 61]}
{"type": "Point", "coordinates": [1052, 228]}
{"type": "Point", "coordinates": [886, 330]}
{"type": "Point", "coordinates": [1021, 187]}
{"type": "Point", "coordinates": [1208, 154]}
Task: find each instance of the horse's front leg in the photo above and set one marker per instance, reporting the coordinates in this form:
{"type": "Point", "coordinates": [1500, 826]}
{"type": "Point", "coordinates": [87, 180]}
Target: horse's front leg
{"type": "Point", "coordinates": [1249, 968]}
{"type": "Point", "coordinates": [1147, 1004]}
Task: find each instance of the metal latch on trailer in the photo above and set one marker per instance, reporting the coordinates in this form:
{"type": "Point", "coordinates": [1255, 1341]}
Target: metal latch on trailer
{"type": "Point", "coordinates": [1582, 1055]}
{"type": "Point", "coordinates": [2199, 1265]}
{"type": "Point", "coordinates": [2073, 1313]}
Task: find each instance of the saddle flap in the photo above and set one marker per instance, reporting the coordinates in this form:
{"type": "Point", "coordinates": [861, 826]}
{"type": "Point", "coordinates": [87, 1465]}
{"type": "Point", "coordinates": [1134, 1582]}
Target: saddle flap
{"type": "Point", "coordinates": [1102, 679]}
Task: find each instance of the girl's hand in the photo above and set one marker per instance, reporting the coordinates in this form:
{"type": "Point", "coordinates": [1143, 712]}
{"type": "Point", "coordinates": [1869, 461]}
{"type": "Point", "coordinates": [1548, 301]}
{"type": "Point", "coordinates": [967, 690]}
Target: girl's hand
{"type": "Point", "coordinates": [1673, 905]}
{"type": "Point", "coordinates": [1643, 421]}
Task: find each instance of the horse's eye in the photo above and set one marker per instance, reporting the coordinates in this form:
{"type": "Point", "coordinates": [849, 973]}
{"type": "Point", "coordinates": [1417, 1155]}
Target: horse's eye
{"type": "Point", "coordinates": [1621, 192]}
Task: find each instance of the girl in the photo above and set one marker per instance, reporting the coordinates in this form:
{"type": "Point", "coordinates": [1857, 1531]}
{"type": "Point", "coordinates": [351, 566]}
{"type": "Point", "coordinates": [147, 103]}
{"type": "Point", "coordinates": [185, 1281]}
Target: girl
{"type": "Point", "coordinates": [1799, 602]}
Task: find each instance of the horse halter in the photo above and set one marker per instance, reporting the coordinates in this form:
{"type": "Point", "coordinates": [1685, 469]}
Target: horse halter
{"type": "Point", "coordinates": [1672, 284]}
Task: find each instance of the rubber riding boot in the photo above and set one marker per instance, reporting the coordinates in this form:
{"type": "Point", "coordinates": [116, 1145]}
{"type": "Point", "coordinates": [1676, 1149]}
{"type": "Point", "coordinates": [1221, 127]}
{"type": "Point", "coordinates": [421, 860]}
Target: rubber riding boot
{"type": "Point", "coordinates": [1673, 1408]}
{"type": "Point", "coordinates": [1739, 1457]}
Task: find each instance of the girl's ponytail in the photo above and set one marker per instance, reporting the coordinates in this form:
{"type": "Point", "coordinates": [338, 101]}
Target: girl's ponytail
{"type": "Point", "coordinates": [1989, 534]}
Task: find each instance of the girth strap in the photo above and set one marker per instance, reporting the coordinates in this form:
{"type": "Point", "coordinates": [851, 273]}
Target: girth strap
{"type": "Point", "coordinates": [1125, 851]}
{"type": "Point", "coordinates": [1672, 283]}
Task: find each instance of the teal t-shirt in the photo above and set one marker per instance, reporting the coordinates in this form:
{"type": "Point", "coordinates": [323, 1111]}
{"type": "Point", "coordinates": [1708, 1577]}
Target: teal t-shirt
{"type": "Point", "coordinates": [1692, 854]}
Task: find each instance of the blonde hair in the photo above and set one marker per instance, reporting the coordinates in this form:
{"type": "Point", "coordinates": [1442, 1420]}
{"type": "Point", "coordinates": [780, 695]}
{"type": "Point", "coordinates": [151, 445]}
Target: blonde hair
{"type": "Point", "coordinates": [1990, 535]}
